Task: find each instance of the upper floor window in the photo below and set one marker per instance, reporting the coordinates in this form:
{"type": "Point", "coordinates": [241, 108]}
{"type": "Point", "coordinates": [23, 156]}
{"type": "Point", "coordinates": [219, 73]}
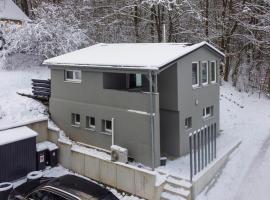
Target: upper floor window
{"type": "Point", "coordinates": [75, 119]}
{"type": "Point", "coordinates": [73, 75]}
{"type": "Point", "coordinates": [213, 70]}
{"type": "Point", "coordinates": [195, 74]}
{"type": "Point", "coordinates": [208, 111]}
{"type": "Point", "coordinates": [204, 73]}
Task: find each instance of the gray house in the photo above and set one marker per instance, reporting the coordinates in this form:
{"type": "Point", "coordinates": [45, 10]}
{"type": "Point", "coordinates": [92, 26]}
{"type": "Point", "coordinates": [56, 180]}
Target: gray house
{"type": "Point", "coordinates": [146, 97]}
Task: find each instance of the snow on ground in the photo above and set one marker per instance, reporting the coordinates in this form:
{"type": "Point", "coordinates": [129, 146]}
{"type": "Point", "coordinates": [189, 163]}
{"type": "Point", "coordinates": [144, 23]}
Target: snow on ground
{"type": "Point", "coordinates": [246, 175]}
{"type": "Point", "coordinates": [13, 107]}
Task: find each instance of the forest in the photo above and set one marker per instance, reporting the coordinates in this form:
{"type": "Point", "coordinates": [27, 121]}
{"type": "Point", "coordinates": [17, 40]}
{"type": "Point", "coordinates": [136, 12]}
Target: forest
{"type": "Point", "coordinates": [239, 28]}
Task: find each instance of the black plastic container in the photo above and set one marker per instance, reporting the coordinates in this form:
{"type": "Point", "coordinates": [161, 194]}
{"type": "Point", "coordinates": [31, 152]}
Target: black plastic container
{"type": "Point", "coordinates": [52, 157]}
{"type": "Point", "coordinates": [41, 159]}
{"type": "Point", "coordinates": [163, 161]}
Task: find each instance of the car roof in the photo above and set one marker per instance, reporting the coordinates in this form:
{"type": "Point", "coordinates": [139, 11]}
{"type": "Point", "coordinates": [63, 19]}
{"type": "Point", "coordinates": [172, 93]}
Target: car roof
{"type": "Point", "coordinates": [81, 187]}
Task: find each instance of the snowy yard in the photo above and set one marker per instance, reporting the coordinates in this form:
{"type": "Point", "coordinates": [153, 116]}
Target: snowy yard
{"type": "Point", "coordinates": [245, 176]}
{"type": "Point", "coordinates": [13, 107]}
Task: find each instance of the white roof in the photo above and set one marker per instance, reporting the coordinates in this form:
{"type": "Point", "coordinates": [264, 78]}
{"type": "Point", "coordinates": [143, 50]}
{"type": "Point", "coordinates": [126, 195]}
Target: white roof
{"type": "Point", "coordinates": [127, 55]}
{"type": "Point", "coordinates": [9, 10]}
{"type": "Point", "coordinates": [16, 134]}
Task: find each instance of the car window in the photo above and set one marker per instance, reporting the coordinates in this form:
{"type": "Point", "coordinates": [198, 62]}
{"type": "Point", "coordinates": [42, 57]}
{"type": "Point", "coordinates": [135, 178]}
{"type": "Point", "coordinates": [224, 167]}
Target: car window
{"type": "Point", "coordinates": [44, 195]}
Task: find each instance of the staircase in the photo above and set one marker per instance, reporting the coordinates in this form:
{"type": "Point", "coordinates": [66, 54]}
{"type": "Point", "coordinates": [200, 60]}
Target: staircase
{"type": "Point", "coordinates": [176, 188]}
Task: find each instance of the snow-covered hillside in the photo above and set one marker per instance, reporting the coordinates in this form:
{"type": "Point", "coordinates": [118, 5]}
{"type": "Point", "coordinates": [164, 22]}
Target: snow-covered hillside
{"type": "Point", "coordinates": [13, 107]}
{"type": "Point", "coordinates": [246, 175]}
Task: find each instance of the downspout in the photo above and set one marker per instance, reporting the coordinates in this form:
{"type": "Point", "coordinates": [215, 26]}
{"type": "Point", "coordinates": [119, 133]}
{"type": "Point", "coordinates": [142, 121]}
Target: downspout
{"type": "Point", "coordinates": [112, 131]}
{"type": "Point", "coordinates": [152, 127]}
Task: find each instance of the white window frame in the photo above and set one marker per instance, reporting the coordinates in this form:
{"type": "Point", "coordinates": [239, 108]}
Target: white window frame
{"type": "Point", "coordinates": [198, 74]}
{"type": "Point", "coordinates": [88, 121]}
{"type": "Point", "coordinates": [210, 114]}
{"type": "Point", "coordinates": [74, 121]}
{"type": "Point", "coordinates": [214, 81]}
{"type": "Point", "coordinates": [138, 78]}
{"type": "Point", "coordinates": [107, 130]}
{"type": "Point", "coordinates": [207, 72]}
{"type": "Point", "coordinates": [188, 127]}
{"type": "Point", "coordinates": [76, 80]}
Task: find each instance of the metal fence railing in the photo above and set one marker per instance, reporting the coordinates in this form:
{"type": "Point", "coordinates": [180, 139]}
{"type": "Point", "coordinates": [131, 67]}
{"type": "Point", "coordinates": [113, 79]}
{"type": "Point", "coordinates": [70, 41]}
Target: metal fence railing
{"type": "Point", "coordinates": [203, 148]}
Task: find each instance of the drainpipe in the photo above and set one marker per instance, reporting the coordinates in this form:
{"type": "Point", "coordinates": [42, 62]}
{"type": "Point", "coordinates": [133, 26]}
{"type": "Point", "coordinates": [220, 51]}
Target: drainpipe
{"type": "Point", "coordinates": [112, 131]}
{"type": "Point", "coordinates": [152, 119]}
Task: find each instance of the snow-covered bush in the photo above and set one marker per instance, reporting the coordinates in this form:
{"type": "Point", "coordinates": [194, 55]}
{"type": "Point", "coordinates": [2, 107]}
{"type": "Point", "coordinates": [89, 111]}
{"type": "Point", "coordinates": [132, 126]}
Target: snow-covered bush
{"type": "Point", "coordinates": [54, 31]}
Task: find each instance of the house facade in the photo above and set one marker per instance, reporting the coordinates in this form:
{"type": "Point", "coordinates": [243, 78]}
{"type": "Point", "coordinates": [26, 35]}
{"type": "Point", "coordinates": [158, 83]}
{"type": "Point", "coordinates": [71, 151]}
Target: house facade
{"type": "Point", "coordinates": [143, 97]}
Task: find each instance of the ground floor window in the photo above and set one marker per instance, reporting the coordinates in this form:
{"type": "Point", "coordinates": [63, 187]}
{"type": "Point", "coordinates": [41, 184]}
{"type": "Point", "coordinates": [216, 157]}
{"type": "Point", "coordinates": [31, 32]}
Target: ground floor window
{"type": "Point", "coordinates": [107, 126]}
{"type": "Point", "coordinates": [208, 111]}
{"type": "Point", "coordinates": [188, 122]}
{"type": "Point", "coordinates": [90, 122]}
{"type": "Point", "coordinates": [75, 119]}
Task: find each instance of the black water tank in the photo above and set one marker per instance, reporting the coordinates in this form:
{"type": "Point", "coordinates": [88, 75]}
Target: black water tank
{"type": "Point", "coordinates": [41, 156]}
{"type": "Point", "coordinates": [52, 157]}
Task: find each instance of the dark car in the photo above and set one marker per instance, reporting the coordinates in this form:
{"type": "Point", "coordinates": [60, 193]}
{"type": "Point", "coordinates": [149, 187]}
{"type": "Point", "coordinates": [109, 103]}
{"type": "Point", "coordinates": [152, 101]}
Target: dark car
{"type": "Point", "coordinates": [68, 187]}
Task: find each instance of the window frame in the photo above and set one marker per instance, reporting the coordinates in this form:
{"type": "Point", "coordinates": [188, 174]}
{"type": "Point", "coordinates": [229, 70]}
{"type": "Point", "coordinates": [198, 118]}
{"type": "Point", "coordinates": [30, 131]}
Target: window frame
{"type": "Point", "coordinates": [198, 74]}
{"type": "Point", "coordinates": [105, 126]}
{"type": "Point", "coordinates": [207, 73]}
{"type": "Point", "coordinates": [215, 67]}
{"type": "Point", "coordinates": [188, 127]}
{"type": "Point", "coordinates": [88, 122]}
{"type": "Point", "coordinates": [74, 121]}
{"type": "Point", "coordinates": [74, 80]}
{"type": "Point", "coordinates": [211, 112]}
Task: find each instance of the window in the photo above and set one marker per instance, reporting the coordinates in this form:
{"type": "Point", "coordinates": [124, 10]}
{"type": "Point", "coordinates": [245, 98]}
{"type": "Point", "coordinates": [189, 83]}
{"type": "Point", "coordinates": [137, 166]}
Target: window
{"type": "Point", "coordinates": [90, 122]}
{"type": "Point", "coordinates": [73, 75]}
{"type": "Point", "coordinates": [134, 81]}
{"type": "Point", "coordinates": [213, 69]}
{"type": "Point", "coordinates": [107, 126]}
{"type": "Point", "coordinates": [204, 73]}
{"type": "Point", "coordinates": [195, 74]}
{"type": "Point", "coordinates": [75, 120]}
{"type": "Point", "coordinates": [188, 123]}
{"type": "Point", "coordinates": [208, 111]}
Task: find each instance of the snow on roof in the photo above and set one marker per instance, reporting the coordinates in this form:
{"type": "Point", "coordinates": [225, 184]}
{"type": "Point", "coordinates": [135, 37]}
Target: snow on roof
{"type": "Point", "coordinates": [151, 56]}
{"type": "Point", "coordinates": [9, 10]}
{"type": "Point", "coordinates": [16, 134]}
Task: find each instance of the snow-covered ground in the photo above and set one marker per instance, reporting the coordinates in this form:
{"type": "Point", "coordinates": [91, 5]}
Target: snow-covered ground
{"type": "Point", "coordinates": [246, 175]}
{"type": "Point", "coordinates": [13, 107]}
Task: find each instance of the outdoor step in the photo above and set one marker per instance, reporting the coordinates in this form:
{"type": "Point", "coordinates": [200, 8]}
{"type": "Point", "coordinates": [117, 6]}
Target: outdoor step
{"type": "Point", "coordinates": [179, 183]}
{"type": "Point", "coordinates": [177, 191]}
{"type": "Point", "coordinates": [169, 196]}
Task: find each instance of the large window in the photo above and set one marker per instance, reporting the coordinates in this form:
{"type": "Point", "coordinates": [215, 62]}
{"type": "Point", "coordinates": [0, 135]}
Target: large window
{"type": "Point", "coordinates": [213, 70]}
{"type": "Point", "coordinates": [204, 73]}
{"type": "Point", "coordinates": [195, 74]}
{"type": "Point", "coordinates": [73, 75]}
{"type": "Point", "coordinates": [134, 81]}
{"type": "Point", "coordinates": [90, 122]}
{"type": "Point", "coordinates": [208, 111]}
{"type": "Point", "coordinates": [75, 120]}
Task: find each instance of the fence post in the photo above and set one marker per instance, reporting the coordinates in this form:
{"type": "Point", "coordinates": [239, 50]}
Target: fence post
{"type": "Point", "coordinates": [205, 144]}
{"type": "Point", "coordinates": [209, 139]}
{"type": "Point", "coordinates": [199, 150]}
{"type": "Point", "coordinates": [212, 142]}
{"type": "Point", "coordinates": [215, 137]}
{"type": "Point", "coordinates": [195, 157]}
{"type": "Point", "coordinates": [190, 156]}
{"type": "Point", "coordinates": [202, 147]}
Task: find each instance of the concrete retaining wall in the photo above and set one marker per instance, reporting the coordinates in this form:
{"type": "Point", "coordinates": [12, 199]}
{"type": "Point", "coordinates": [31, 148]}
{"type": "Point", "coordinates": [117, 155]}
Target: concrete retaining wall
{"type": "Point", "coordinates": [121, 176]}
{"type": "Point", "coordinates": [202, 179]}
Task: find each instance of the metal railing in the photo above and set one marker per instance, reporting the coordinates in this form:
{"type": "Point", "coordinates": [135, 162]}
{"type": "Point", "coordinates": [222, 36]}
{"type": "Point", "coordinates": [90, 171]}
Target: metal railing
{"type": "Point", "coordinates": [203, 148]}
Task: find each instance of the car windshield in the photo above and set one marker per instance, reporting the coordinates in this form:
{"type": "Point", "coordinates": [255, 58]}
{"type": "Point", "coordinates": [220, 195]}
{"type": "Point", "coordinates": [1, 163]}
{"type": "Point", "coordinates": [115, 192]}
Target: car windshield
{"type": "Point", "coordinates": [44, 195]}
